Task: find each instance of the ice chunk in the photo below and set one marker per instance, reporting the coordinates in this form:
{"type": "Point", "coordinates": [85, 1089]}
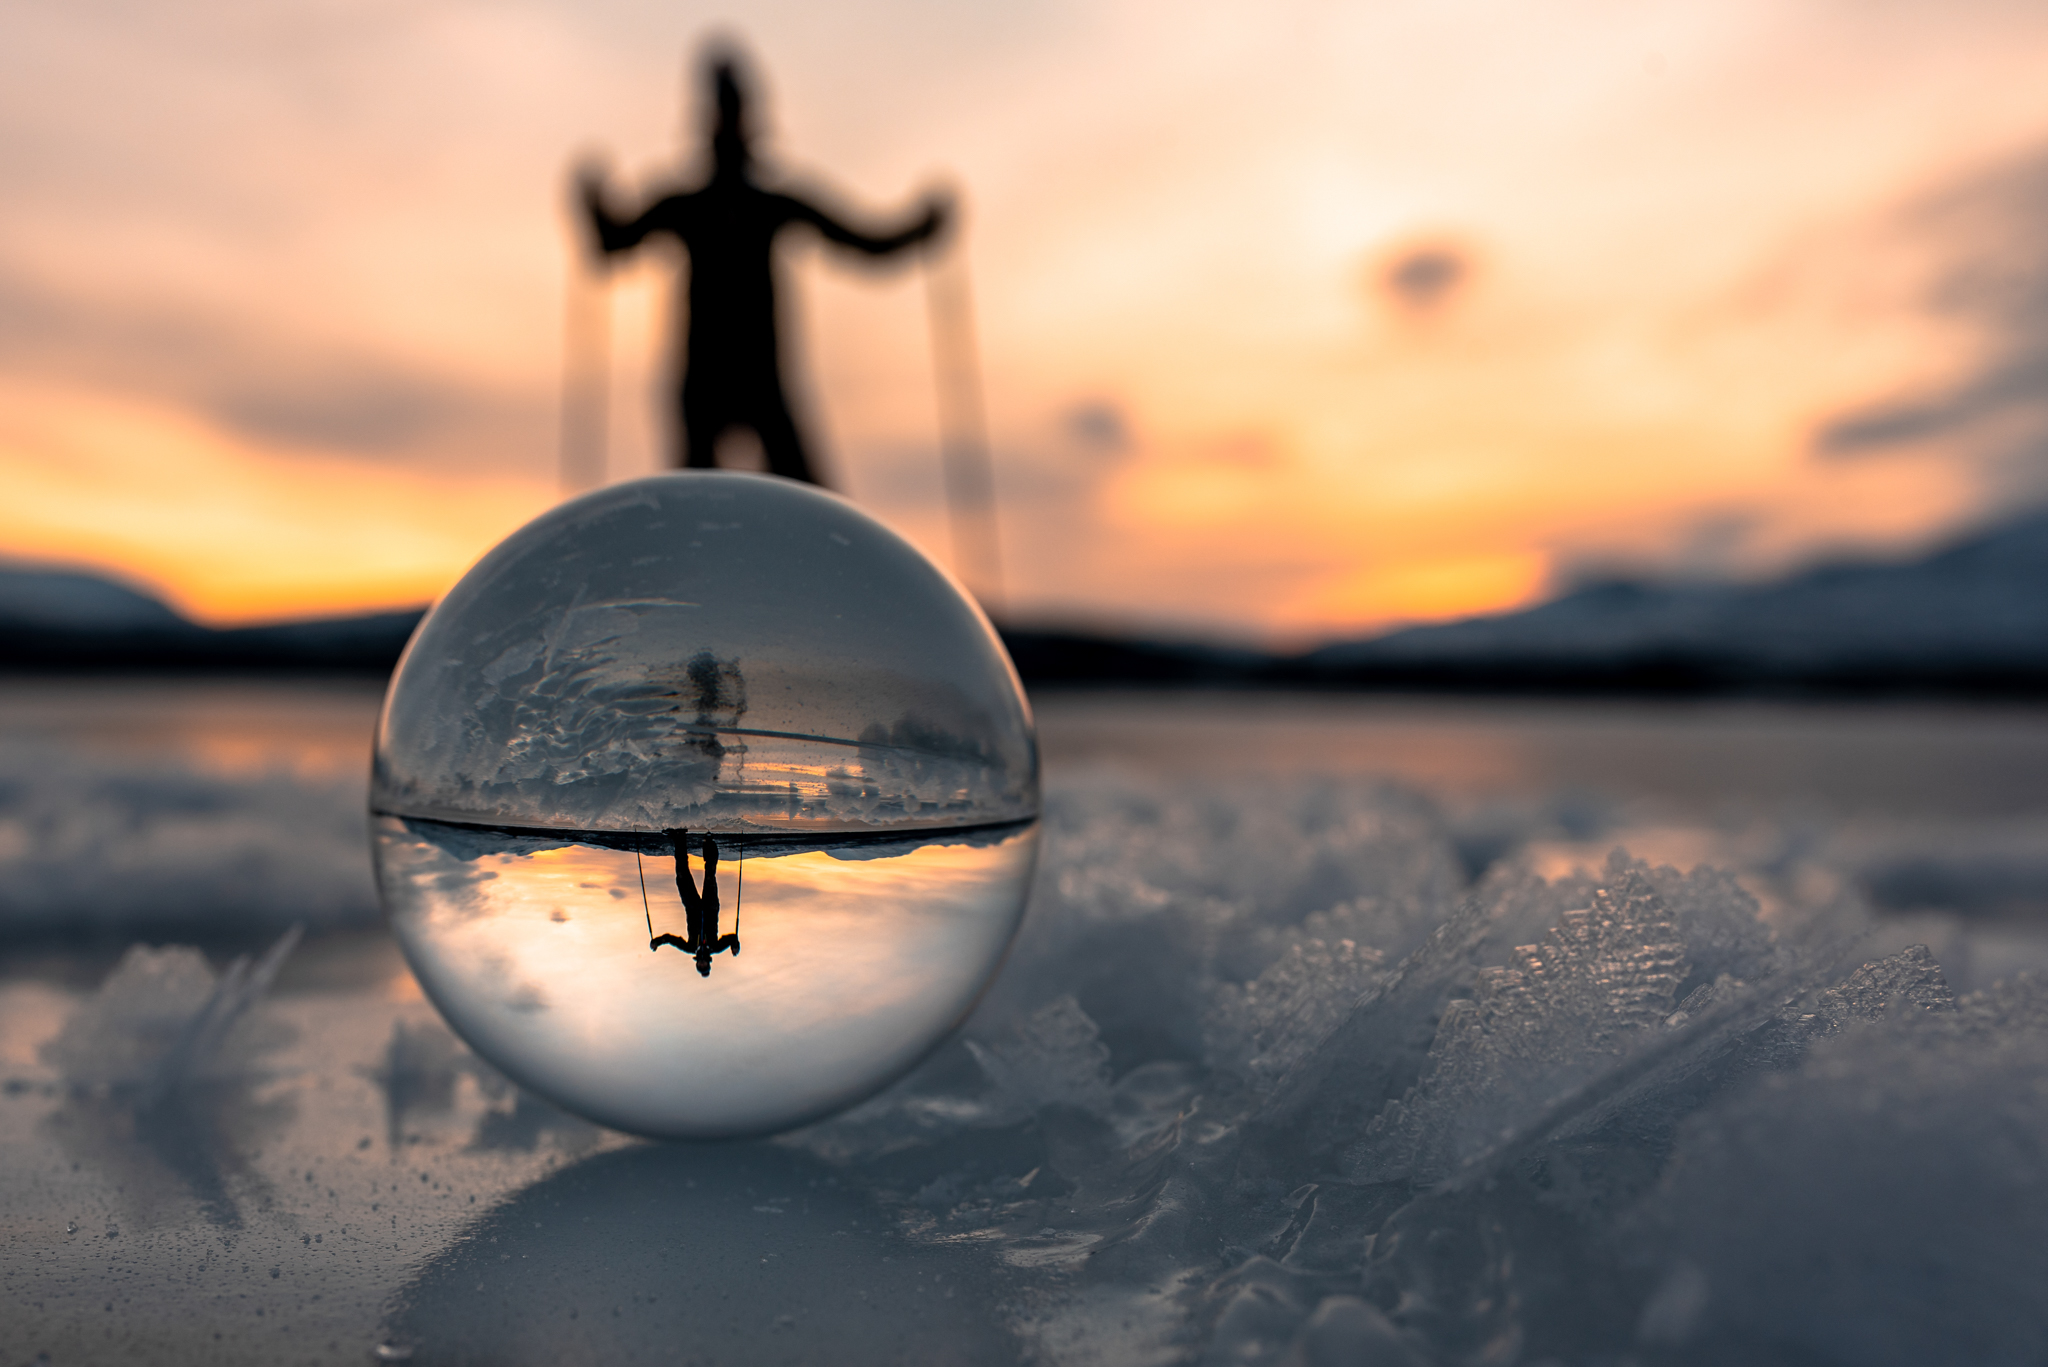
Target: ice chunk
{"type": "Point", "coordinates": [162, 1020]}
{"type": "Point", "coordinates": [161, 1067]}
{"type": "Point", "coordinates": [1345, 1331]}
{"type": "Point", "coordinates": [1376, 1053]}
{"type": "Point", "coordinates": [1153, 897]}
{"type": "Point", "coordinates": [1054, 1057]}
{"type": "Point", "coordinates": [1881, 1204]}
{"type": "Point", "coordinates": [1265, 1027]}
{"type": "Point", "coordinates": [1910, 978]}
{"type": "Point", "coordinates": [1261, 1311]}
{"type": "Point", "coordinates": [1600, 980]}
{"type": "Point", "coordinates": [1718, 920]}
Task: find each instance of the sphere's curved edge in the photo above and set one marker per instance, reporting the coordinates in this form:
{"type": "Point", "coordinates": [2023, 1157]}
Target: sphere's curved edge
{"type": "Point", "coordinates": [743, 1134]}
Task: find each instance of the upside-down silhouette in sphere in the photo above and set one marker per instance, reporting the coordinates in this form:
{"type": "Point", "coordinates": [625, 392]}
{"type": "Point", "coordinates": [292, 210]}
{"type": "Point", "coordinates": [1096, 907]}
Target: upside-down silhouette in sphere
{"type": "Point", "coordinates": [732, 364]}
{"type": "Point", "coordinates": [700, 910]}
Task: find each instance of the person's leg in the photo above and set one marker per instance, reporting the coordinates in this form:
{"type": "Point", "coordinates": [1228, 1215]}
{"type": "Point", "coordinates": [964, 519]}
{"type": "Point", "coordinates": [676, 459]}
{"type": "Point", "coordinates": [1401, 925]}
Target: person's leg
{"type": "Point", "coordinates": [679, 841]}
{"type": "Point", "coordinates": [701, 419]}
{"type": "Point", "coordinates": [781, 442]}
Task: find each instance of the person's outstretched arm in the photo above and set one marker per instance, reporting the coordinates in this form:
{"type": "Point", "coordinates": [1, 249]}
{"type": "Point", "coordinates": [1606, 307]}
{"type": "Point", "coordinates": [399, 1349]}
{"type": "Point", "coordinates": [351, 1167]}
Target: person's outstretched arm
{"type": "Point", "coordinates": [615, 234]}
{"type": "Point", "coordinates": [938, 210]}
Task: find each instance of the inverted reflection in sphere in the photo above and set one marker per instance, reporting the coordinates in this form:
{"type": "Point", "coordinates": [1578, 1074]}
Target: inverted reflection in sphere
{"type": "Point", "coordinates": [704, 804]}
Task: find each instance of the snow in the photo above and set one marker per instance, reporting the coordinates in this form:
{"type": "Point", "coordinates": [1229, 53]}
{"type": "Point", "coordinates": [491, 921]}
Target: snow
{"type": "Point", "coordinates": [1283, 1069]}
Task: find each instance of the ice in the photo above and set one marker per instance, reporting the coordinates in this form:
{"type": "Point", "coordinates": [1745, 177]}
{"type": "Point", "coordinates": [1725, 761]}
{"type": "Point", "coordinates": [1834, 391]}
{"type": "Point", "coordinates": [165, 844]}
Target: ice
{"type": "Point", "coordinates": [1321, 1108]}
{"type": "Point", "coordinates": [1476, 1151]}
{"type": "Point", "coordinates": [1159, 897]}
{"type": "Point", "coordinates": [1600, 981]}
{"type": "Point", "coordinates": [1053, 1057]}
{"type": "Point", "coordinates": [1278, 1073]}
{"type": "Point", "coordinates": [1876, 1205]}
{"type": "Point", "coordinates": [164, 1021]}
{"type": "Point", "coordinates": [107, 845]}
{"type": "Point", "coordinates": [158, 1074]}
{"type": "Point", "coordinates": [1263, 1028]}
{"type": "Point", "coordinates": [1344, 1331]}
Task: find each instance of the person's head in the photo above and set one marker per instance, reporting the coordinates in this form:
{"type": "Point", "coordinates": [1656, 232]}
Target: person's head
{"type": "Point", "coordinates": [703, 961]}
{"type": "Point", "coordinates": [731, 134]}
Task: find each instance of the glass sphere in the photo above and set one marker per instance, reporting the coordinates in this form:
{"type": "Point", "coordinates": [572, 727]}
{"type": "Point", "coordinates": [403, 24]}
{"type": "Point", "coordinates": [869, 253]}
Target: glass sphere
{"type": "Point", "coordinates": [683, 717]}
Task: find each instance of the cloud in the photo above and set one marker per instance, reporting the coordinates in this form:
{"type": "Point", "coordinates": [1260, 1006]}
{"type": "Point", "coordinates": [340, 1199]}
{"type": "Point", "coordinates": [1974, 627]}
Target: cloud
{"type": "Point", "coordinates": [271, 389]}
{"type": "Point", "coordinates": [365, 414]}
{"type": "Point", "coordinates": [1993, 231]}
{"type": "Point", "coordinates": [1716, 545]}
{"type": "Point", "coordinates": [1098, 425]}
{"type": "Point", "coordinates": [1422, 279]}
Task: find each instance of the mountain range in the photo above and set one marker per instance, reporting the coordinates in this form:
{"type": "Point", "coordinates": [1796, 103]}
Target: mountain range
{"type": "Point", "coordinates": [1970, 618]}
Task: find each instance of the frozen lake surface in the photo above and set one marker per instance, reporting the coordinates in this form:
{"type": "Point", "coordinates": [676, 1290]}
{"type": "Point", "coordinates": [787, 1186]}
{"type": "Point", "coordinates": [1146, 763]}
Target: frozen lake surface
{"type": "Point", "coordinates": [1333, 1035]}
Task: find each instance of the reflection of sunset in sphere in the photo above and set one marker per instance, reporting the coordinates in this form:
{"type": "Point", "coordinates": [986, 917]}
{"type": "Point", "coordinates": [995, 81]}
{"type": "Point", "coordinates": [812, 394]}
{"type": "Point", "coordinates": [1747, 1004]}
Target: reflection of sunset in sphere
{"type": "Point", "coordinates": [723, 715]}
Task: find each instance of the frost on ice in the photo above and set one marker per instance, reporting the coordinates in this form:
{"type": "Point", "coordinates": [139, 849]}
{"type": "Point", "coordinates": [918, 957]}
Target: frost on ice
{"type": "Point", "coordinates": [1267, 1082]}
{"type": "Point", "coordinates": [159, 1070]}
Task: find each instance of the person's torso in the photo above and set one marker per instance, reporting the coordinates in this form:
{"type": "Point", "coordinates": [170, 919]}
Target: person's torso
{"type": "Point", "coordinates": [729, 231]}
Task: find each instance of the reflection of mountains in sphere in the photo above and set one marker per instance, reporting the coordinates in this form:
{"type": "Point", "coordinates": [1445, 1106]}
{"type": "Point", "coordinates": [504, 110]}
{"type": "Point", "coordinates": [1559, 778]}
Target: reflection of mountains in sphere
{"type": "Point", "coordinates": [705, 804]}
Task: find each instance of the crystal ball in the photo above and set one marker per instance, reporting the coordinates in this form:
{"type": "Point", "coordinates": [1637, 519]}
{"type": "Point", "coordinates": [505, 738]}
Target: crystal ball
{"type": "Point", "coordinates": [704, 805]}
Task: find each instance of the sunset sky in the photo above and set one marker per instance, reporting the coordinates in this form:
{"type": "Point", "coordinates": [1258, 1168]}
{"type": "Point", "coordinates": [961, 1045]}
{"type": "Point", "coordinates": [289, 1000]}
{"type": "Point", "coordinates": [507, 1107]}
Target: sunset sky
{"type": "Point", "coordinates": [1296, 319]}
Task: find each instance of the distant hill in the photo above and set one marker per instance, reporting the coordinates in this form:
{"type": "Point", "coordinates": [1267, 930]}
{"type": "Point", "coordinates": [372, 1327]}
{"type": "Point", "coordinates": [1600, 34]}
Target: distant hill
{"type": "Point", "coordinates": [68, 620]}
{"type": "Point", "coordinates": [1970, 617]}
{"type": "Point", "coordinates": [1970, 620]}
{"type": "Point", "coordinates": [69, 600]}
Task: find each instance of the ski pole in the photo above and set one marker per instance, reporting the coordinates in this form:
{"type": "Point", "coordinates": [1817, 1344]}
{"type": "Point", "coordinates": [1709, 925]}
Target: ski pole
{"type": "Point", "coordinates": [963, 430]}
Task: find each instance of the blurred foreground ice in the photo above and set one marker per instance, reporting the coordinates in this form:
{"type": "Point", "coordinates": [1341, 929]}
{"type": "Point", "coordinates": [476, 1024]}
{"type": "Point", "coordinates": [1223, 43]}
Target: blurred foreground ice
{"type": "Point", "coordinates": [1281, 1070]}
{"type": "Point", "coordinates": [96, 845]}
{"type": "Point", "coordinates": [1265, 1083]}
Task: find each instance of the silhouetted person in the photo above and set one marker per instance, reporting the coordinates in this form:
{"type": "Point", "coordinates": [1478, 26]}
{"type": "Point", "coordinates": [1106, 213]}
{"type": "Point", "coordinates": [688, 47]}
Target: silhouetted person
{"type": "Point", "coordinates": [700, 910]}
{"type": "Point", "coordinates": [732, 366]}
